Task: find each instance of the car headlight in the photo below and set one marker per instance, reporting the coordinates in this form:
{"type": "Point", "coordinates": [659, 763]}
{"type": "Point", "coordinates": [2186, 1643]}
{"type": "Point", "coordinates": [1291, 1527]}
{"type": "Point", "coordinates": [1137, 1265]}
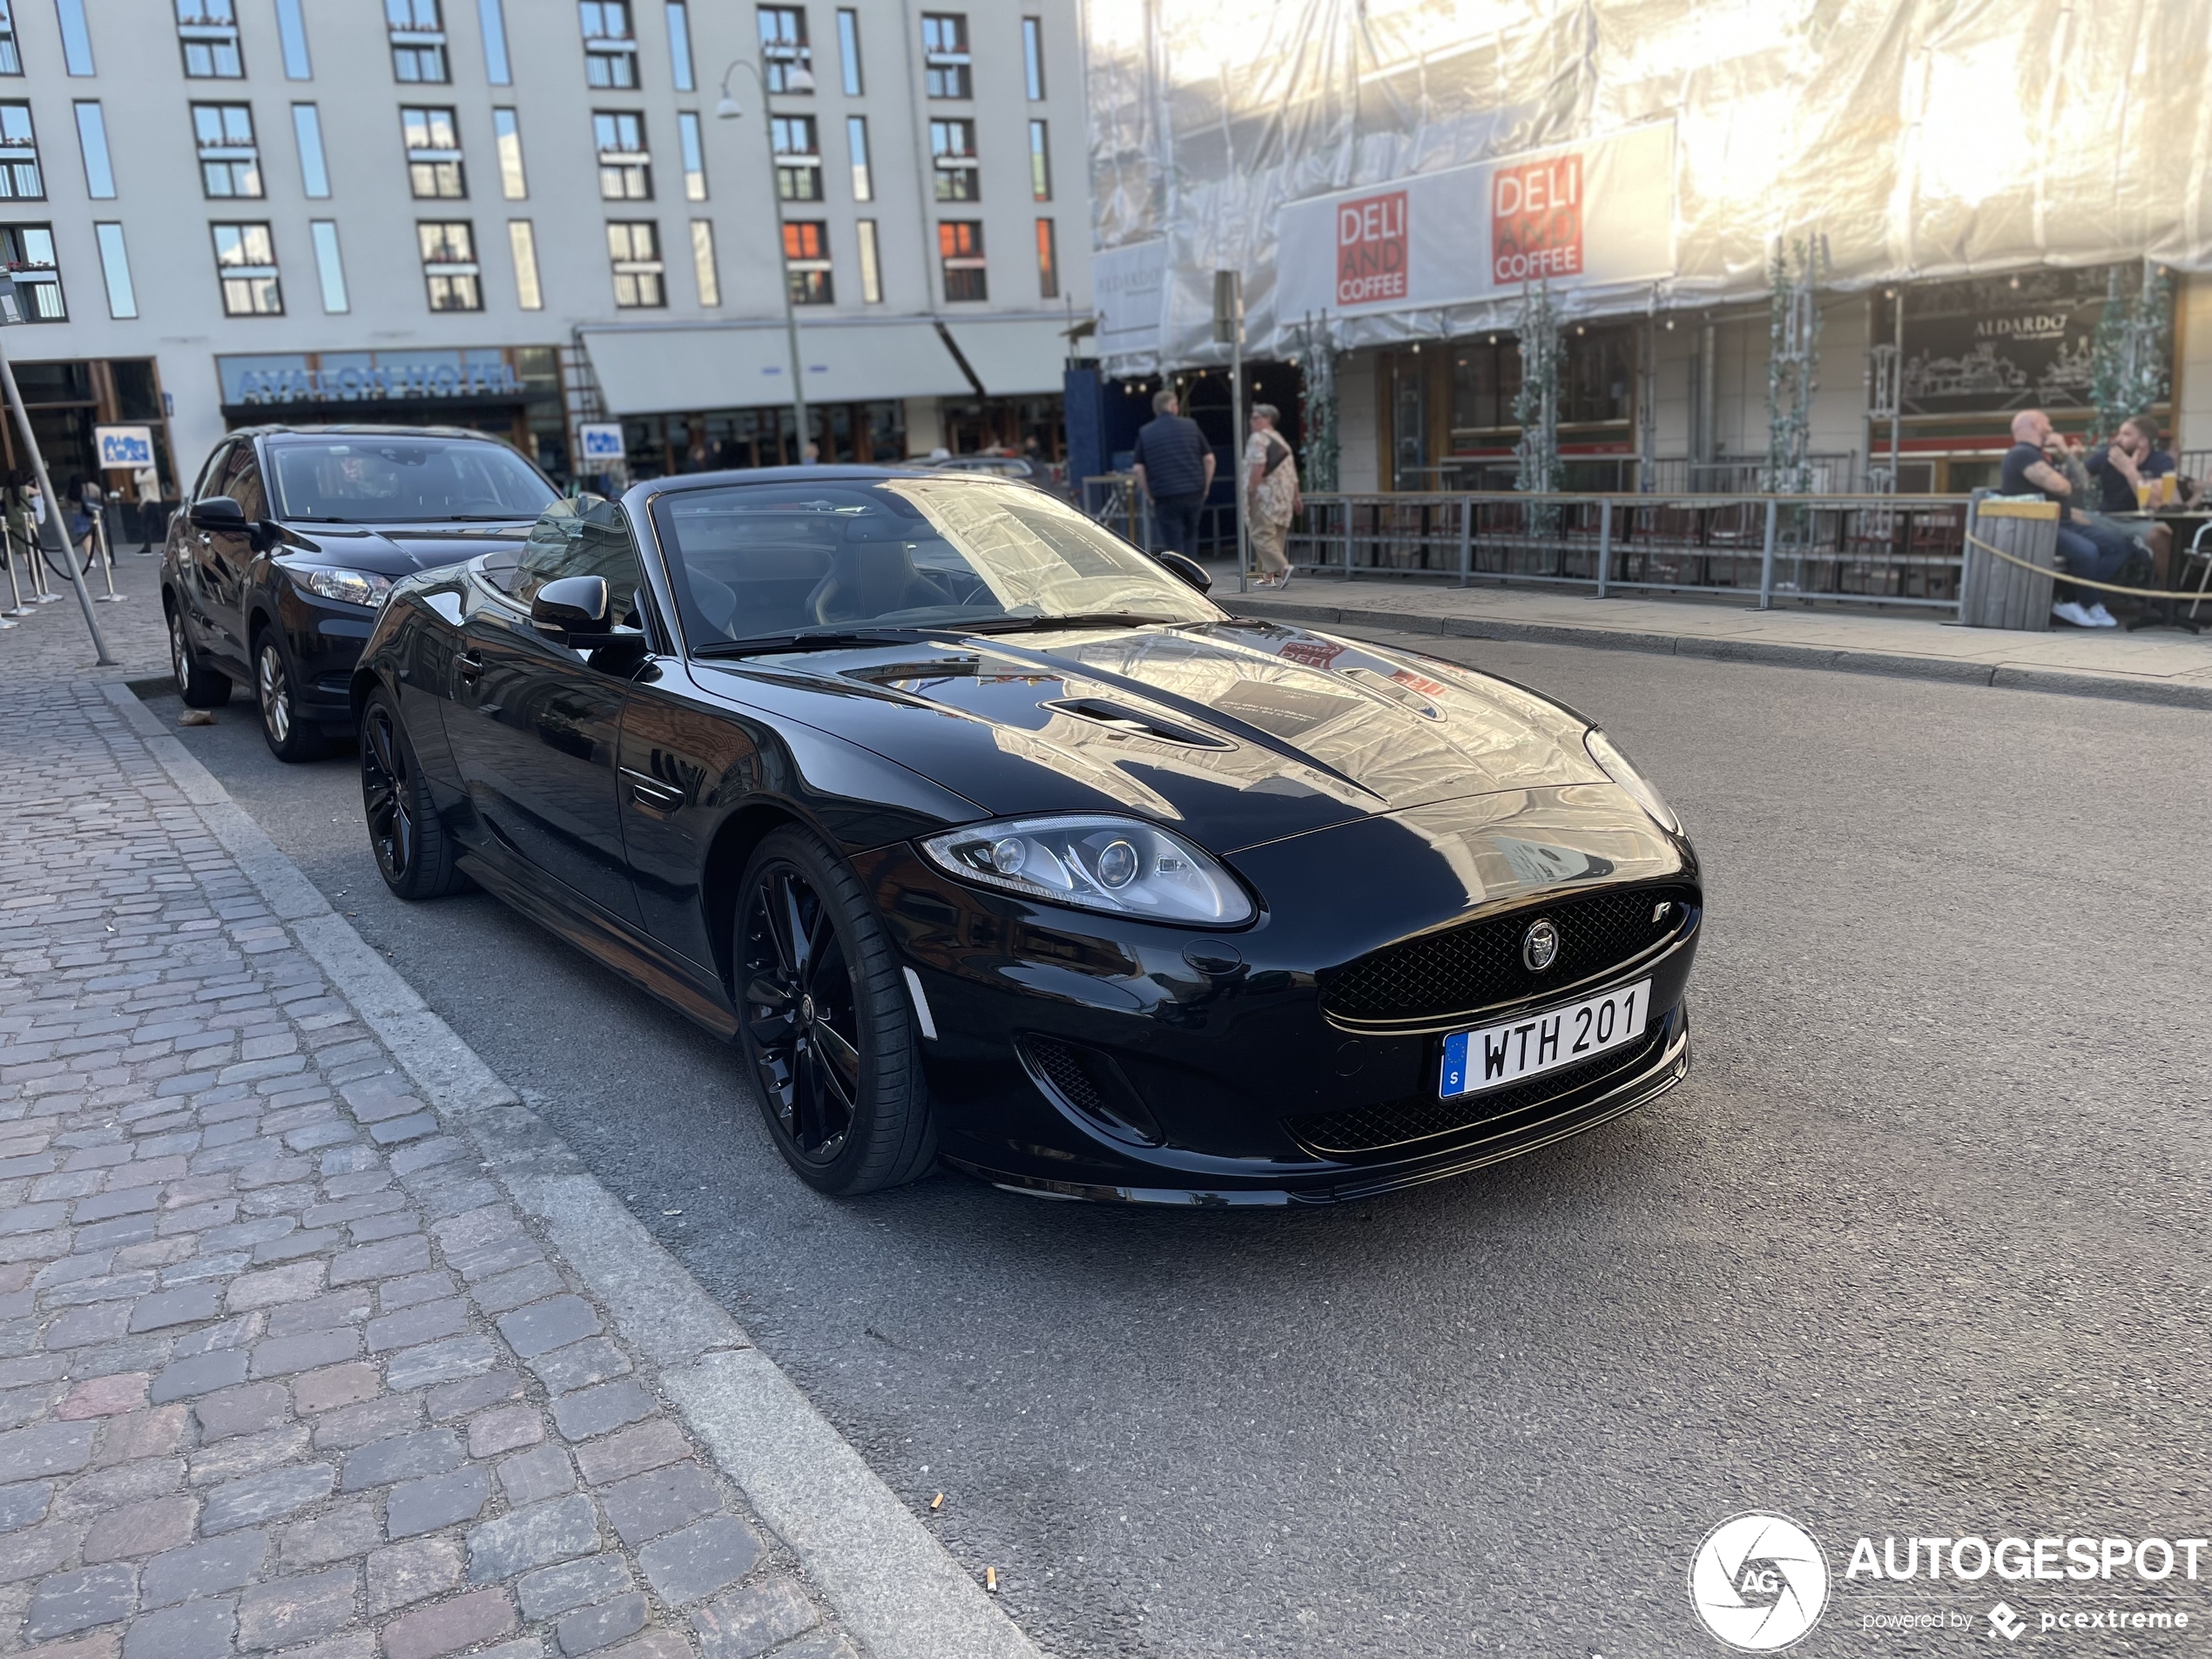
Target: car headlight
{"type": "Point", "coordinates": [1122, 865]}
{"type": "Point", "coordinates": [1616, 765]}
{"type": "Point", "coordinates": [352, 587]}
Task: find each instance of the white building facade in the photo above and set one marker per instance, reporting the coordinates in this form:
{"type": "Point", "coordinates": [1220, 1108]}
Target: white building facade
{"type": "Point", "coordinates": [517, 215]}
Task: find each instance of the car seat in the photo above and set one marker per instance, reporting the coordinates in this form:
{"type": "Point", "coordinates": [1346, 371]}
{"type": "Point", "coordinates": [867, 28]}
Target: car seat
{"type": "Point", "coordinates": [871, 574]}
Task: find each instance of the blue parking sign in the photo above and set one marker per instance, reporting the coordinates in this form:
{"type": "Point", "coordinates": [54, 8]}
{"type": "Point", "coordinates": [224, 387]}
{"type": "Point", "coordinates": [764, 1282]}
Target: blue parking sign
{"type": "Point", "coordinates": [600, 440]}
{"type": "Point", "coordinates": [123, 447]}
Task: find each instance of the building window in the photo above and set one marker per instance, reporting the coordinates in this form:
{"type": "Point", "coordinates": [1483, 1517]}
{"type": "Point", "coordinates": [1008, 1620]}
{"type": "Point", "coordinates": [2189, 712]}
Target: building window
{"type": "Point", "coordinates": [702, 262]}
{"type": "Point", "coordinates": [27, 252]}
{"type": "Point", "coordinates": [798, 161]}
{"type": "Point", "coordinates": [449, 268]}
{"type": "Point", "coordinates": [609, 45]}
{"type": "Point", "coordinates": [807, 264]}
{"type": "Point", "coordinates": [856, 140]}
{"type": "Point", "coordinates": [692, 144]}
{"type": "Point", "coordinates": [433, 155]}
{"type": "Point", "coordinates": [1048, 261]}
{"type": "Point", "coordinates": [306, 132]}
{"type": "Point", "coordinates": [848, 51]}
{"type": "Point", "coordinates": [625, 166]}
{"type": "Point", "coordinates": [507, 135]}
{"type": "Point", "coordinates": [20, 179]}
{"type": "Point", "coordinates": [1040, 163]}
{"type": "Point", "coordinates": [633, 248]}
{"type": "Point", "coordinates": [870, 265]}
{"type": "Point", "coordinates": [952, 156]}
{"type": "Point", "coordinates": [245, 261]}
{"type": "Point", "coordinates": [207, 30]}
{"type": "Point", "coordinates": [330, 270]}
{"type": "Point", "coordinates": [960, 247]}
{"type": "Point", "coordinates": [522, 241]}
{"type": "Point", "coordinates": [91, 144]}
{"type": "Point", "coordinates": [10, 56]}
{"type": "Point", "coordinates": [292, 41]}
{"type": "Point", "coordinates": [944, 52]}
{"type": "Point", "coordinates": [418, 32]}
{"type": "Point", "coordinates": [784, 51]}
{"type": "Point", "coordinates": [115, 266]}
{"type": "Point", "coordinates": [229, 162]}
{"type": "Point", "coordinates": [492, 20]}
{"type": "Point", "coordinates": [679, 44]}
{"type": "Point", "coordinates": [1032, 58]}
{"type": "Point", "coordinates": [76, 36]}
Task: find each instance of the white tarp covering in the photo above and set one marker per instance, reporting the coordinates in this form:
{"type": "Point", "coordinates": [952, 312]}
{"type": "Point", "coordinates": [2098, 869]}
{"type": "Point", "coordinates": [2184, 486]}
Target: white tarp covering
{"type": "Point", "coordinates": [1914, 138]}
{"type": "Point", "coordinates": [650, 370]}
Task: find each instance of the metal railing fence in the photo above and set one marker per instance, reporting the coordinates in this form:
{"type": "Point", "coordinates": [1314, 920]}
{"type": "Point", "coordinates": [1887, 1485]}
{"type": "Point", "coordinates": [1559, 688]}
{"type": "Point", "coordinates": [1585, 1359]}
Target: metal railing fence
{"type": "Point", "coordinates": [1114, 500]}
{"type": "Point", "coordinates": [1904, 551]}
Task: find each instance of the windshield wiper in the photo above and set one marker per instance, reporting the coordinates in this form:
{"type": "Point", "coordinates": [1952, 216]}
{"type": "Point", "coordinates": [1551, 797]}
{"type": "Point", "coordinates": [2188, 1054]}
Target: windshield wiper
{"type": "Point", "coordinates": [1081, 619]}
{"type": "Point", "coordinates": [812, 640]}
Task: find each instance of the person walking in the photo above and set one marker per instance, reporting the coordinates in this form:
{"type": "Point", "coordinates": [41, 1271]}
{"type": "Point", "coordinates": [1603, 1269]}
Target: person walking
{"type": "Point", "coordinates": [1174, 466]}
{"type": "Point", "coordinates": [146, 485]}
{"type": "Point", "coordinates": [1272, 497]}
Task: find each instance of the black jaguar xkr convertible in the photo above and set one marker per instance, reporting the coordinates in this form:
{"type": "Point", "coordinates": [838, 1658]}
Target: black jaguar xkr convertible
{"type": "Point", "coordinates": [989, 838]}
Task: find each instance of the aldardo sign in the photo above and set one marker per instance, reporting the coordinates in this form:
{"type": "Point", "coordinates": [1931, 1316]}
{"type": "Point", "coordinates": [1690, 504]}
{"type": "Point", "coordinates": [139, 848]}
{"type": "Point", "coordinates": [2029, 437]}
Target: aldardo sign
{"type": "Point", "coordinates": [1590, 213]}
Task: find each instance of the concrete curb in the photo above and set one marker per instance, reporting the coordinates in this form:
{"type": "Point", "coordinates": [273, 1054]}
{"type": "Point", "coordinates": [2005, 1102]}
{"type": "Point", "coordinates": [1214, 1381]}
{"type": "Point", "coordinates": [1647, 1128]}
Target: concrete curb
{"type": "Point", "coordinates": [1835, 659]}
{"type": "Point", "coordinates": [890, 1583]}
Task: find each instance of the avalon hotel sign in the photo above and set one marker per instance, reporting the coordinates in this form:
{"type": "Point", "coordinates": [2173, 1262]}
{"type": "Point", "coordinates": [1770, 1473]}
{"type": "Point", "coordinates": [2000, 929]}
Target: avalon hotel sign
{"type": "Point", "coordinates": [1591, 214]}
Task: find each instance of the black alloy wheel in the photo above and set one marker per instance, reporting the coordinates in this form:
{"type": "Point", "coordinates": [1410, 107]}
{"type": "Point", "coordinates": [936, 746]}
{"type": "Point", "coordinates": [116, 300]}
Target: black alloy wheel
{"type": "Point", "coordinates": [414, 853]}
{"type": "Point", "coordinates": [291, 738]}
{"type": "Point", "coordinates": [198, 685]}
{"type": "Point", "coordinates": [826, 1023]}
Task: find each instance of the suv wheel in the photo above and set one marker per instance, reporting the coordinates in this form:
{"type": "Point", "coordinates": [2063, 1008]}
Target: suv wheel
{"type": "Point", "coordinates": [200, 686]}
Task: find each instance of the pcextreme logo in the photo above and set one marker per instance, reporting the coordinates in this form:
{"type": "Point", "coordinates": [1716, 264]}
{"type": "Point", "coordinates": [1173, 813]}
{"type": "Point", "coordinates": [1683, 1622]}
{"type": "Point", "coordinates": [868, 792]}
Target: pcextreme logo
{"type": "Point", "coordinates": [1759, 1582]}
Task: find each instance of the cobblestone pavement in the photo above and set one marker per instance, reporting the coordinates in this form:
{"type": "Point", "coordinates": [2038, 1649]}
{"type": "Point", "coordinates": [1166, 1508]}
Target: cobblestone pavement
{"type": "Point", "coordinates": [282, 1368]}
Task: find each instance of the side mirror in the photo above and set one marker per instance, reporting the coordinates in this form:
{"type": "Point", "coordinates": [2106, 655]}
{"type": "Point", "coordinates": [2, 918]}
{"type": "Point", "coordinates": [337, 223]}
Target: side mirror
{"type": "Point", "coordinates": [574, 608]}
{"type": "Point", "coordinates": [1189, 569]}
{"type": "Point", "coordinates": [219, 513]}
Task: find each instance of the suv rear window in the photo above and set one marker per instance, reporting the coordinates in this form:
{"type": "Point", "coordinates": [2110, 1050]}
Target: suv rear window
{"type": "Point", "coordinates": [398, 481]}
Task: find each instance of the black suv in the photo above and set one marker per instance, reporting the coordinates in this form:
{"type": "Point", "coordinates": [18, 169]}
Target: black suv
{"type": "Point", "coordinates": [274, 572]}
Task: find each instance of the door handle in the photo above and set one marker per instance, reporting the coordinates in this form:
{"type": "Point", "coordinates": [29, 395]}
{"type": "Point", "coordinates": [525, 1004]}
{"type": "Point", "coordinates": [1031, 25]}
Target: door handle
{"type": "Point", "coordinates": [470, 666]}
{"type": "Point", "coordinates": [650, 791]}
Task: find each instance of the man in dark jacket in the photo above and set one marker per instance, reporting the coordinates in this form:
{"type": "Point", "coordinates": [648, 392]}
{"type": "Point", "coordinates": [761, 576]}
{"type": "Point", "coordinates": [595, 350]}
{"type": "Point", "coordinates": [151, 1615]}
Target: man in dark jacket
{"type": "Point", "coordinates": [1174, 467]}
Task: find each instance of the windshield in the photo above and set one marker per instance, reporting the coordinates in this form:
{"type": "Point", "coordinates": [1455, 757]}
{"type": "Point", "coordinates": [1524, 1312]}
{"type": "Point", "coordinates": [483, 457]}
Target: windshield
{"type": "Point", "coordinates": [761, 560]}
{"type": "Point", "coordinates": [397, 481]}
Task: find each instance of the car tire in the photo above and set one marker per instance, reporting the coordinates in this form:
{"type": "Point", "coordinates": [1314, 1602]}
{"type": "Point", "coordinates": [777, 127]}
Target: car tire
{"type": "Point", "coordinates": [292, 737]}
{"type": "Point", "coordinates": [198, 685]}
{"type": "Point", "coordinates": [825, 1023]}
{"type": "Point", "coordinates": [415, 854]}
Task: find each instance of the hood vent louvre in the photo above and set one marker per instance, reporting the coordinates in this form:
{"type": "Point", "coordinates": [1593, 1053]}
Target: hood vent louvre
{"type": "Point", "coordinates": [1134, 722]}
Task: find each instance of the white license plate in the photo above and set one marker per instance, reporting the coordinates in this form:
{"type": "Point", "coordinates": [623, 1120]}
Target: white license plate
{"type": "Point", "coordinates": [1498, 1055]}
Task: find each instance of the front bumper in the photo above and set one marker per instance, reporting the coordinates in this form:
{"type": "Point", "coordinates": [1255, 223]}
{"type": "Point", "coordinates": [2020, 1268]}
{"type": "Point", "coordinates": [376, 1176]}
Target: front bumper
{"type": "Point", "coordinates": [1214, 1068]}
{"type": "Point", "coordinates": [325, 637]}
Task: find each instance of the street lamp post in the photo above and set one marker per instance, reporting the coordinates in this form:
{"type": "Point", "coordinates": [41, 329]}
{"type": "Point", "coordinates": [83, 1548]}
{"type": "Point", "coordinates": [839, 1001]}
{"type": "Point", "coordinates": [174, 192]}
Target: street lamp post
{"type": "Point", "coordinates": [801, 80]}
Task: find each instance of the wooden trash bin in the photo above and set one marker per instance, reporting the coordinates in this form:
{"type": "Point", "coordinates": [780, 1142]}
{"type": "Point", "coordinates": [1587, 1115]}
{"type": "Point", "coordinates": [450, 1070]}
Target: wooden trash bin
{"type": "Point", "coordinates": [1996, 594]}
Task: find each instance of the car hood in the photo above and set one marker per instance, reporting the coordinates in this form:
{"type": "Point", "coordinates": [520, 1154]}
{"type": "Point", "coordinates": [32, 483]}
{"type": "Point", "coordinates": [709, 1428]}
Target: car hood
{"type": "Point", "coordinates": [1236, 732]}
{"type": "Point", "coordinates": [395, 550]}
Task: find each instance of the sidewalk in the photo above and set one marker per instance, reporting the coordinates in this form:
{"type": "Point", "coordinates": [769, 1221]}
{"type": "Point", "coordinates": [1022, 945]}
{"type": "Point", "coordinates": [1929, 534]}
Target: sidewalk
{"type": "Point", "coordinates": [313, 1340]}
{"type": "Point", "coordinates": [2157, 665]}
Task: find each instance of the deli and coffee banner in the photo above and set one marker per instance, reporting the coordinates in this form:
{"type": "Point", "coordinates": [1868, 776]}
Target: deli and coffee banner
{"type": "Point", "coordinates": [1599, 212]}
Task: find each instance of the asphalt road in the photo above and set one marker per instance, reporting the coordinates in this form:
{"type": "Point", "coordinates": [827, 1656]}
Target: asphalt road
{"type": "Point", "coordinates": [1921, 1247]}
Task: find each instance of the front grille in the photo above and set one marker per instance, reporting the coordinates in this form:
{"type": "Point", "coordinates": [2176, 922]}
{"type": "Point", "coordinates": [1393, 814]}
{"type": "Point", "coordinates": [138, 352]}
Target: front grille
{"type": "Point", "coordinates": [1478, 964]}
{"type": "Point", "coordinates": [1423, 1117]}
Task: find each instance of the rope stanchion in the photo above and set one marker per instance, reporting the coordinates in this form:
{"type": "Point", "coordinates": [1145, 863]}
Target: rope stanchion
{"type": "Point", "coordinates": [2077, 581]}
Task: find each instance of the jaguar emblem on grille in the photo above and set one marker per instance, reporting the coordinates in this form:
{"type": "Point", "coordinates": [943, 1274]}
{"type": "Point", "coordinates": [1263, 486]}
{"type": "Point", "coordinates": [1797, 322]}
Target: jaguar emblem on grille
{"type": "Point", "coordinates": [1539, 945]}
